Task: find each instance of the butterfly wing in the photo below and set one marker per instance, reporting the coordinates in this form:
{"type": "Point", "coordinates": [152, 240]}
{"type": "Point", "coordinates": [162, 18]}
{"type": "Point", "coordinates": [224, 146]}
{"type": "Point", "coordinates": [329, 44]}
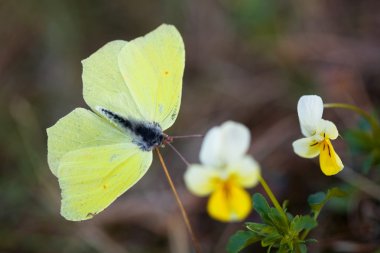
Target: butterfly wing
{"type": "Point", "coordinates": [140, 79]}
{"type": "Point", "coordinates": [80, 129]}
{"type": "Point", "coordinates": [94, 161]}
{"type": "Point", "coordinates": [92, 178]}
{"type": "Point", "coordinates": [103, 84]}
{"type": "Point", "coordinates": [152, 67]}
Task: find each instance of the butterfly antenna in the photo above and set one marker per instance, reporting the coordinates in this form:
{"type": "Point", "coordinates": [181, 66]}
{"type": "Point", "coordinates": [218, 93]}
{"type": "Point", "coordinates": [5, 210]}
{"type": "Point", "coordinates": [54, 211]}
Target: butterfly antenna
{"type": "Point", "coordinates": [187, 136]}
{"type": "Point", "coordinates": [179, 154]}
{"type": "Point", "coordinates": [179, 202]}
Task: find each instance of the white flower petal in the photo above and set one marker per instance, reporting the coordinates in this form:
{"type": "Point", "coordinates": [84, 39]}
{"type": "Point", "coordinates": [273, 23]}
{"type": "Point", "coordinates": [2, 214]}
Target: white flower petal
{"type": "Point", "coordinates": [307, 147]}
{"type": "Point", "coordinates": [327, 129]}
{"type": "Point", "coordinates": [210, 150]}
{"type": "Point", "coordinates": [200, 180]}
{"type": "Point", "coordinates": [247, 171]}
{"type": "Point", "coordinates": [236, 140]}
{"type": "Point", "coordinates": [310, 110]}
{"type": "Point", "coordinates": [225, 144]}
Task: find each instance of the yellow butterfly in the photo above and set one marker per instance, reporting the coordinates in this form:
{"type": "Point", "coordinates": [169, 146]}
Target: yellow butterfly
{"type": "Point", "coordinates": [134, 88]}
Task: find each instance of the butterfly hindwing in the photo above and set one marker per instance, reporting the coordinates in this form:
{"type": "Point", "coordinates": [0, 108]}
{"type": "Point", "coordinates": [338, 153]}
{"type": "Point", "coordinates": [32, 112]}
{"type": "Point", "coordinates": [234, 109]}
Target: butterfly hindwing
{"type": "Point", "coordinates": [95, 162]}
{"type": "Point", "coordinates": [92, 178]}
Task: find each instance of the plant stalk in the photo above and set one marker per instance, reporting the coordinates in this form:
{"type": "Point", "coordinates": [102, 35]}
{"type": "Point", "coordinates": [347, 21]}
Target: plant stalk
{"type": "Point", "coordinates": [356, 109]}
{"type": "Point", "coordinates": [179, 202]}
{"type": "Point", "coordinates": [272, 197]}
{"type": "Point", "coordinates": [307, 231]}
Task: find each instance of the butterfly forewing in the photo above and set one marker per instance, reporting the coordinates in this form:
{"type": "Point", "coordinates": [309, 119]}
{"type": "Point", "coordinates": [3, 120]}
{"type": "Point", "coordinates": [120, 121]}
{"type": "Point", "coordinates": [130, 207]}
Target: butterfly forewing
{"type": "Point", "coordinates": [152, 67]}
{"type": "Point", "coordinates": [103, 84]}
{"type": "Point", "coordinates": [80, 129]}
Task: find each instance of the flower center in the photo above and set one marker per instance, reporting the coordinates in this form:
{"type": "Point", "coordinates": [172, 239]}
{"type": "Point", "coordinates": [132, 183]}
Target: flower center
{"type": "Point", "coordinates": [326, 146]}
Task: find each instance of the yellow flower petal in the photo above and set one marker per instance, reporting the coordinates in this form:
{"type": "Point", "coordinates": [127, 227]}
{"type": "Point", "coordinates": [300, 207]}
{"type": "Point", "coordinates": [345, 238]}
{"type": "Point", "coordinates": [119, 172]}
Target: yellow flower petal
{"type": "Point", "coordinates": [229, 203]}
{"type": "Point", "coordinates": [329, 161]}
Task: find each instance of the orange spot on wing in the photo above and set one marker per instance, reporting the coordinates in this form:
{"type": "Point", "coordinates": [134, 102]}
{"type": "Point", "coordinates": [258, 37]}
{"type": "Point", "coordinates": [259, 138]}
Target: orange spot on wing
{"type": "Point", "coordinates": [166, 73]}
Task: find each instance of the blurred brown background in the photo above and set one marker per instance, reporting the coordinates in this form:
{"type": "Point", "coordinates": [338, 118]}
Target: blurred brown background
{"type": "Point", "coordinates": [247, 60]}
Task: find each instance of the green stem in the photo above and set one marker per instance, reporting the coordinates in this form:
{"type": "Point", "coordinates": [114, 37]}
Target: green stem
{"type": "Point", "coordinates": [272, 197]}
{"type": "Point", "coordinates": [356, 109]}
{"type": "Point", "coordinates": [307, 231]}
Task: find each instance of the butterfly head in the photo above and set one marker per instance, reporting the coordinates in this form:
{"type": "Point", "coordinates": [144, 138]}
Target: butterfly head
{"type": "Point", "coordinates": [149, 136]}
{"type": "Point", "coordinates": [167, 140]}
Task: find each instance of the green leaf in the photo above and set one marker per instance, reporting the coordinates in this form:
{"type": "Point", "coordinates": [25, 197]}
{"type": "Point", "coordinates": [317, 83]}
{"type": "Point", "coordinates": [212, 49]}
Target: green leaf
{"type": "Point", "coordinates": [290, 216]}
{"type": "Point", "coordinates": [368, 163]}
{"type": "Point", "coordinates": [319, 199]}
{"type": "Point", "coordinates": [316, 201]}
{"type": "Point", "coordinates": [376, 156]}
{"type": "Point", "coordinates": [303, 248]}
{"type": "Point", "coordinates": [311, 240]}
{"type": "Point", "coordinates": [365, 140]}
{"type": "Point", "coordinates": [271, 239]}
{"type": "Point", "coordinates": [269, 249]}
{"type": "Point", "coordinates": [261, 206]}
{"type": "Point", "coordinates": [335, 192]}
{"type": "Point", "coordinates": [360, 141]}
{"type": "Point", "coordinates": [285, 204]}
{"type": "Point", "coordinates": [372, 160]}
{"type": "Point", "coordinates": [284, 248]}
{"type": "Point", "coordinates": [240, 240]}
{"type": "Point", "coordinates": [259, 228]}
{"type": "Point", "coordinates": [300, 223]}
{"type": "Point", "coordinates": [278, 220]}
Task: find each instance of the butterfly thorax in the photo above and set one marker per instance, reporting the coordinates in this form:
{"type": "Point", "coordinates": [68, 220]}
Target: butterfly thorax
{"type": "Point", "coordinates": [146, 135]}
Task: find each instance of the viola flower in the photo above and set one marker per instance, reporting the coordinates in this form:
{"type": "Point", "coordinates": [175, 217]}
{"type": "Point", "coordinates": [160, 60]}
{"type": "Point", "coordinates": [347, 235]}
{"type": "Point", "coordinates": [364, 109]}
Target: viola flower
{"type": "Point", "coordinates": [318, 133]}
{"type": "Point", "coordinates": [224, 173]}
